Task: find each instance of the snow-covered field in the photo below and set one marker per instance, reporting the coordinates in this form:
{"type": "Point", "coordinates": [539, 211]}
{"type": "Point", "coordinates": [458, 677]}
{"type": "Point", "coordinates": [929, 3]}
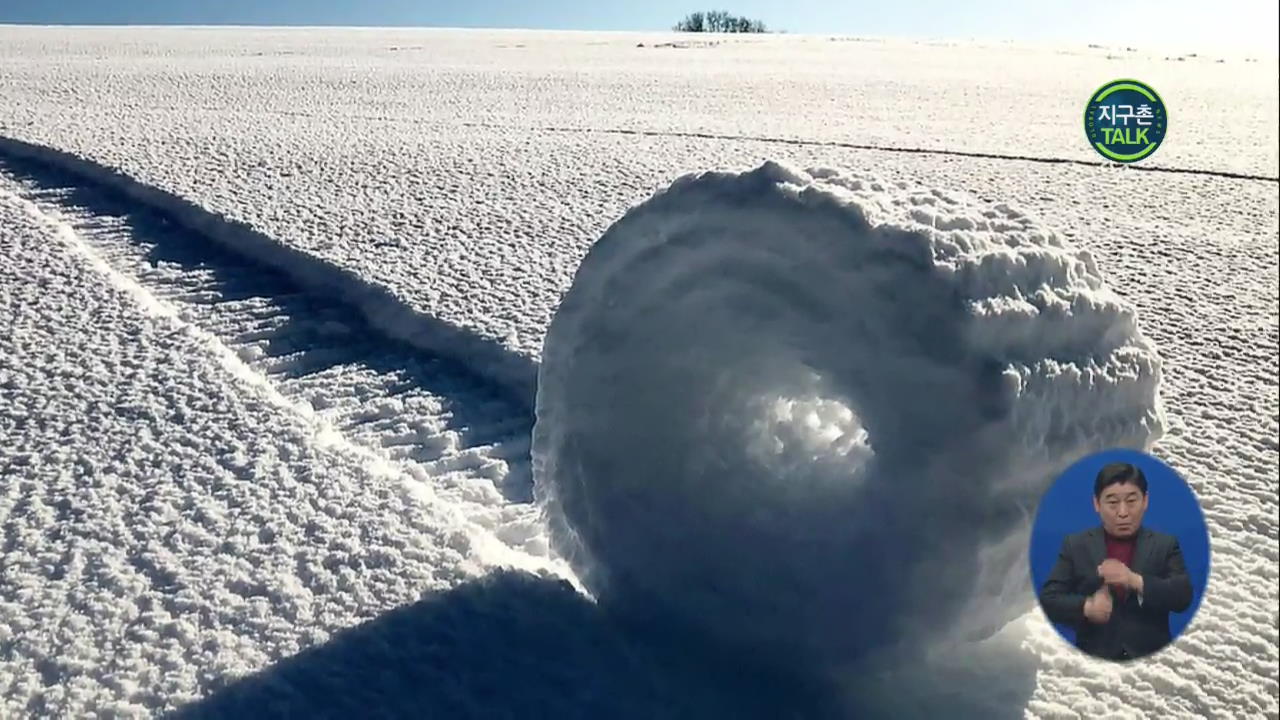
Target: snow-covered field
{"type": "Point", "coordinates": [273, 303]}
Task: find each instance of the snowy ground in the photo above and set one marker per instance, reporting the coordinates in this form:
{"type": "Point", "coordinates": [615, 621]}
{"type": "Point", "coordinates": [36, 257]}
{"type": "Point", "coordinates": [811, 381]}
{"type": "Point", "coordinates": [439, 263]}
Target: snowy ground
{"type": "Point", "coordinates": [212, 460]}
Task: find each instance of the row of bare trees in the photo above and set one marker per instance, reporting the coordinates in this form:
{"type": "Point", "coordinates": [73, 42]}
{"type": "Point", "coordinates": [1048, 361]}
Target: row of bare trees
{"type": "Point", "coordinates": [718, 21]}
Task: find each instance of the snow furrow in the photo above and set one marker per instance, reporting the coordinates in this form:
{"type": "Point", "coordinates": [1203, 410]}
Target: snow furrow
{"type": "Point", "coordinates": [455, 441]}
{"type": "Point", "coordinates": [703, 135]}
{"type": "Point", "coordinates": [511, 374]}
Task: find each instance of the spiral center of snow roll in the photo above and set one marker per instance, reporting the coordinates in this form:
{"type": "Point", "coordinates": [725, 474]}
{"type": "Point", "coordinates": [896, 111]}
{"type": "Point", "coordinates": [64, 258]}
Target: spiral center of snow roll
{"type": "Point", "coordinates": [802, 441]}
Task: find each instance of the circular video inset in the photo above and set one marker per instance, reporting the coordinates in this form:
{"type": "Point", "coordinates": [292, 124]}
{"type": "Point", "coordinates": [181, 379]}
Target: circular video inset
{"type": "Point", "coordinates": [1119, 555]}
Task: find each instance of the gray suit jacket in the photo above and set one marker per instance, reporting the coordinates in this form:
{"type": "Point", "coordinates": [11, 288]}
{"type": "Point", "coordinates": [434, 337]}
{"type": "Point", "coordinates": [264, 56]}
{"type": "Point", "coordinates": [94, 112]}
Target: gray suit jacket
{"type": "Point", "coordinates": [1138, 626]}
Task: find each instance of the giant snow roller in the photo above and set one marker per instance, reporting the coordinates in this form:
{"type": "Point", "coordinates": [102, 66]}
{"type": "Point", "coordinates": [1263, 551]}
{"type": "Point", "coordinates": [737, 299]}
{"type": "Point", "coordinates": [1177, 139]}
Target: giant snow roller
{"type": "Point", "coordinates": [808, 415]}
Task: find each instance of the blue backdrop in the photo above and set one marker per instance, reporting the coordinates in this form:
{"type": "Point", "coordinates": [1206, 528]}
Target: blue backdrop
{"type": "Point", "coordinates": [1068, 508]}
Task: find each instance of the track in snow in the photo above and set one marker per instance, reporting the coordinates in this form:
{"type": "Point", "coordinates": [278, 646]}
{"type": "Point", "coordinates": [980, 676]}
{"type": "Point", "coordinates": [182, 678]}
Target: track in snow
{"type": "Point", "coordinates": [908, 150]}
{"type": "Point", "coordinates": [461, 431]}
{"type": "Point", "coordinates": [885, 148]}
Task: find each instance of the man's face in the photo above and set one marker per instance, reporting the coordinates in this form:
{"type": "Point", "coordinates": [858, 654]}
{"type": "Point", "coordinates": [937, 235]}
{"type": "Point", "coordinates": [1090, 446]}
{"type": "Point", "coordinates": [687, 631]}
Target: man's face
{"type": "Point", "coordinates": [1121, 507]}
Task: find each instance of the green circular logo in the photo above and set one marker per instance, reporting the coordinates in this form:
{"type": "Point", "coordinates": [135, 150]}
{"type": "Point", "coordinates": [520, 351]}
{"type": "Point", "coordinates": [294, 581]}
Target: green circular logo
{"type": "Point", "coordinates": [1125, 121]}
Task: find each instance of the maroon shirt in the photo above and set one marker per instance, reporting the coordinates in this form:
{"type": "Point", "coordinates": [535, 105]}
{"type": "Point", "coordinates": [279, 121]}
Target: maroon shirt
{"type": "Point", "coordinates": [1121, 550]}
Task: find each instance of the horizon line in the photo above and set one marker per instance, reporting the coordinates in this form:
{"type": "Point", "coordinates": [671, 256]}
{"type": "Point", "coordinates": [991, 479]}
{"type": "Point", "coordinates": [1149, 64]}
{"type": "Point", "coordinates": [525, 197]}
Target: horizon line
{"type": "Point", "coordinates": [1085, 42]}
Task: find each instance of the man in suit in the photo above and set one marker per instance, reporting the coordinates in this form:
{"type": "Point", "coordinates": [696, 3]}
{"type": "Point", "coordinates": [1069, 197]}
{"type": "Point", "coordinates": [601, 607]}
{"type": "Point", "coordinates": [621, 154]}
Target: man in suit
{"type": "Point", "coordinates": [1117, 583]}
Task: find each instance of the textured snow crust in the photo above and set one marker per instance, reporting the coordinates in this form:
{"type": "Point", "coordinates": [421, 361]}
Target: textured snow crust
{"type": "Point", "coordinates": [168, 521]}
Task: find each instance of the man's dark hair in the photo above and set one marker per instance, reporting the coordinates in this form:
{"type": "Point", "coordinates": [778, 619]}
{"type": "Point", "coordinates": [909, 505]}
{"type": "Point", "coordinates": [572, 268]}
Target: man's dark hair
{"type": "Point", "coordinates": [1116, 474]}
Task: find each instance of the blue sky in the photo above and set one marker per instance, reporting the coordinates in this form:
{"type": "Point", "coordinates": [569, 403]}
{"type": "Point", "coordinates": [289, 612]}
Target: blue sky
{"type": "Point", "coordinates": [1240, 24]}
